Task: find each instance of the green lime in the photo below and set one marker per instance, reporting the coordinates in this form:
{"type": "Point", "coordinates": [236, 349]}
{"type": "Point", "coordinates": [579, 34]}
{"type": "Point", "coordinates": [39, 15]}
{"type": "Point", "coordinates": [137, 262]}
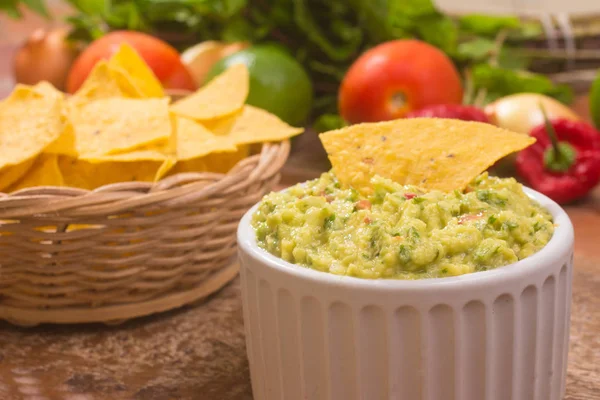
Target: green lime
{"type": "Point", "coordinates": [278, 83]}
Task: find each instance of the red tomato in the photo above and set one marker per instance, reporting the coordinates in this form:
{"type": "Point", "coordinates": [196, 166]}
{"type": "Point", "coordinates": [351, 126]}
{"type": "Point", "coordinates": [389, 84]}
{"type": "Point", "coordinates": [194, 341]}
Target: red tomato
{"type": "Point", "coordinates": [161, 58]}
{"type": "Point", "coordinates": [396, 77]}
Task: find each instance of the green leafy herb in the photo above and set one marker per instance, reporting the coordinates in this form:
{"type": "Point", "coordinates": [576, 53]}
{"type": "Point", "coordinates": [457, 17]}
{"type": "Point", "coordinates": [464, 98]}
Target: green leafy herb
{"type": "Point", "coordinates": [414, 233]}
{"type": "Point", "coordinates": [329, 221]}
{"type": "Point", "coordinates": [404, 254]}
{"type": "Point", "coordinates": [477, 49]}
{"type": "Point", "coordinates": [492, 220]}
{"type": "Point", "coordinates": [501, 82]}
{"type": "Point", "coordinates": [11, 7]}
{"type": "Point", "coordinates": [511, 225]}
{"type": "Point", "coordinates": [595, 101]}
{"type": "Point", "coordinates": [488, 25]}
{"type": "Point", "coordinates": [483, 195]}
{"type": "Point", "coordinates": [327, 122]}
{"type": "Point", "coordinates": [491, 198]}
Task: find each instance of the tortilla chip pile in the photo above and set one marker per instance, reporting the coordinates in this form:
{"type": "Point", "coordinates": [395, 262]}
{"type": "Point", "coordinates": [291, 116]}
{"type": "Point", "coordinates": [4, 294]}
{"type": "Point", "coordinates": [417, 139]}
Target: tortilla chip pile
{"type": "Point", "coordinates": [120, 126]}
{"type": "Point", "coordinates": [431, 153]}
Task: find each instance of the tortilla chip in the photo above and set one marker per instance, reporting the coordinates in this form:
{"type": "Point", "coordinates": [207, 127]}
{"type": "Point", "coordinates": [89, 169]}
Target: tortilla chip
{"type": "Point", "coordinates": [65, 143]}
{"type": "Point", "coordinates": [141, 76]}
{"type": "Point", "coordinates": [222, 126]}
{"type": "Point", "coordinates": [255, 125]}
{"type": "Point", "coordinates": [165, 167]}
{"type": "Point", "coordinates": [86, 175]}
{"type": "Point", "coordinates": [29, 122]}
{"type": "Point", "coordinates": [117, 125]}
{"type": "Point", "coordinates": [43, 172]}
{"type": "Point", "coordinates": [216, 162]}
{"type": "Point", "coordinates": [11, 174]}
{"type": "Point", "coordinates": [442, 154]}
{"type": "Point", "coordinates": [222, 96]}
{"type": "Point", "coordinates": [135, 155]}
{"type": "Point", "coordinates": [194, 140]}
{"type": "Point", "coordinates": [46, 89]}
{"type": "Point", "coordinates": [105, 82]}
{"type": "Point", "coordinates": [224, 162]}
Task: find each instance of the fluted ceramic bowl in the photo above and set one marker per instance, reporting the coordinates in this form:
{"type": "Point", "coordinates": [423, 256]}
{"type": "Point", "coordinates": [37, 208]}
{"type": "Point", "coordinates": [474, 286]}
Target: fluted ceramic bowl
{"type": "Point", "coordinates": [500, 334]}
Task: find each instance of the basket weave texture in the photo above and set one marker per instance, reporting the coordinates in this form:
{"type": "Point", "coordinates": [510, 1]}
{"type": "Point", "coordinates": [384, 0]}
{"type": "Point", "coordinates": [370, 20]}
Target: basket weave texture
{"type": "Point", "coordinates": [128, 249]}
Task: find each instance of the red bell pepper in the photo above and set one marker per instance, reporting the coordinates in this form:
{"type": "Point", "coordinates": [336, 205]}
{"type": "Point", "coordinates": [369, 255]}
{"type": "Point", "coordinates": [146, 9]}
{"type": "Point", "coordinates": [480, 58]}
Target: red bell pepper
{"type": "Point", "coordinates": [564, 162]}
{"type": "Point", "coordinates": [453, 111]}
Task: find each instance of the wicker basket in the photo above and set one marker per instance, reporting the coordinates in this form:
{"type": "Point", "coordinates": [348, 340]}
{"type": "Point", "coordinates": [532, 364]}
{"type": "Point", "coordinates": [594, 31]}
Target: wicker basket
{"type": "Point", "coordinates": [128, 249]}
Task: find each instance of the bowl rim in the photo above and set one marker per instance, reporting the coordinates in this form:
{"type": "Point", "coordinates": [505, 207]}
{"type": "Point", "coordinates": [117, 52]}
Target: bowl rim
{"type": "Point", "coordinates": [559, 245]}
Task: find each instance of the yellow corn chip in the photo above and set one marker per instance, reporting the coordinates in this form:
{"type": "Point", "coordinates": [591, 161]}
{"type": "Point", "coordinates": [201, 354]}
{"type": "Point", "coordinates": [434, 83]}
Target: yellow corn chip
{"type": "Point", "coordinates": [194, 140]}
{"type": "Point", "coordinates": [165, 168]}
{"type": "Point", "coordinates": [432, 153]}
{"type": "Point", "coordinates": [215, 162]}
{"type": "Point", "coordinates": [134, 155]}
{"type": "Point", "coordinates": [142, 77]}
{"type": "Point", "coordinates": [222, 126]}
{"type": "Point", "coordinates": [222, 96]}
{"type": "Point", "coordinates": [86, 175]}
{"type": "Point", "coordinates": [29, 122]}
{"type": "Point", "coordinates": [255, 125]}
{"type": "Point", "coordinates": [116, 125]}
{"type": "Point", "coordinates": [223, 162]}
{"type": "Point", "coordinates": [11, 174]}
{"type": "Point", "coordinates": [46, 89]}
{"type": "Point", "coordinates": [105, 82]}
{"type": "Point", "coordinates": [43, 172]}
{"type": "Point", "coordinates": [65, 143]}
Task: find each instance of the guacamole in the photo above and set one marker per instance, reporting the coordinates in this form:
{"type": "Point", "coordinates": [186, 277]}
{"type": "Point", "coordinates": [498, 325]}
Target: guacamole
{"type": "Point", "coordinates": [400, 231]}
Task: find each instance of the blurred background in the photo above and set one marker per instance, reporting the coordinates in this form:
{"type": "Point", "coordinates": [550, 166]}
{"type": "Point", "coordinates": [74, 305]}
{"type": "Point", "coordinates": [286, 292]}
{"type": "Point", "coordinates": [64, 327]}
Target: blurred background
{"type": "Point", "coordinates": [562, 39]}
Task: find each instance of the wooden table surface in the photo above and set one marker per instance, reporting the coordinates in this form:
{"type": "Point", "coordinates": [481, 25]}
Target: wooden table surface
{"type": "Point", "coordinates": [198, 352]}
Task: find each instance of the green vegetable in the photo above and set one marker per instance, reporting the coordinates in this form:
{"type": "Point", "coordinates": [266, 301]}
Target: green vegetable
{"type": "Point", "coordinates": [501, 82]}
{"type": "Point", "coordinates": [477, 49]}
{"type": "Point", "coordinates": [328, 122]}
{"type": "Point", "coordinates": [488, 25]}
{"type": "Point", "coordinates": [11, 7]}
{"type": "Point", "coordinates": [595, 101]}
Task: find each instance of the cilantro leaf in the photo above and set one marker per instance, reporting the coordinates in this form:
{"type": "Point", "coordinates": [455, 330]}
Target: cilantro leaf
{"type": "Point", "coordinates": [502, 82]}
{"type": "Point", "coordinates": [487, 25]}
{"type": "Point", "coordinates": [595, 101]}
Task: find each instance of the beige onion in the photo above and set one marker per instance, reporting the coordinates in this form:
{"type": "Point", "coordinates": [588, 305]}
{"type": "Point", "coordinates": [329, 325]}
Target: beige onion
{"type": "Point", "coordinates": [521, 112]}
{"type": "Point", "coordinates": [200, 58]}
{"type": "Point", "coordinates": [45, 56]}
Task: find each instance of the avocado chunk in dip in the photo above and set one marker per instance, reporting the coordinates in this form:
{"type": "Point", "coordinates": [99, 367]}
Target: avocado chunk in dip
{"type": "Point", "coordinates": [399, 231]}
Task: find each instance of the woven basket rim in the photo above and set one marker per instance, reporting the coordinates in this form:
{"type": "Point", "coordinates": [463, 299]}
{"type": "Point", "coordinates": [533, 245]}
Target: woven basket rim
{"type": "Point", "coordinates": [178, 189]}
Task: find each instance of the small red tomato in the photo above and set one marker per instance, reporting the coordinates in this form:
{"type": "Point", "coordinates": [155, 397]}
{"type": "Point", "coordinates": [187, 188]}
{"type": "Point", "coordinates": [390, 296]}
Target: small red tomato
{"type": "Point", "coordinates": [396, 77]}
{"type": "Point", "coordinates": [163, 59]}
{"type": "Point", "coordinates": [453, 111]}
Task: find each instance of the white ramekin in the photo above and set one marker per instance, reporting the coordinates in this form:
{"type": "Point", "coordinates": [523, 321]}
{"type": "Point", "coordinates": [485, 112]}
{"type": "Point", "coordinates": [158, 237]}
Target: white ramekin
{"type": "Point", "coordinates": [496, 335]}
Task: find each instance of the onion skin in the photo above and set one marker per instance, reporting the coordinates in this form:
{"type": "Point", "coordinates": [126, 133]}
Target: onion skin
{"type": "Point", "coordinates": [45, 56]}
{"type": "Point", "coordinates": [200, 58]}
{"type": "Point", "coordinates": [521, 112]}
